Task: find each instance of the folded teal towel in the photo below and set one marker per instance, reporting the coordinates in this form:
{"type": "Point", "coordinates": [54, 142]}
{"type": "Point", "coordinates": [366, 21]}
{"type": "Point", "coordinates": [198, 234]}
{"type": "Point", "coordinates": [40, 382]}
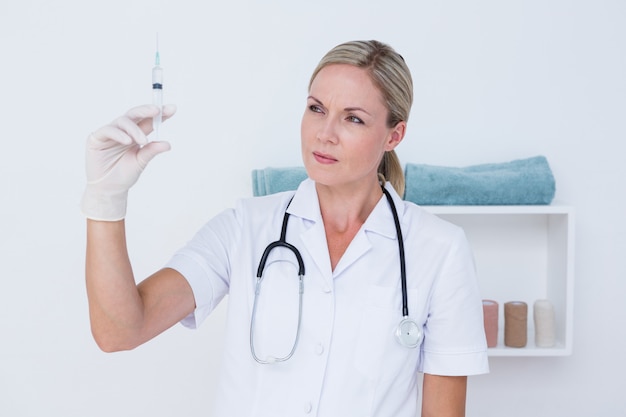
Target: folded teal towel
{"type": "Point", "coordinates": [274, 180]}
{"type": "Point", "coordinates": [523, 181]}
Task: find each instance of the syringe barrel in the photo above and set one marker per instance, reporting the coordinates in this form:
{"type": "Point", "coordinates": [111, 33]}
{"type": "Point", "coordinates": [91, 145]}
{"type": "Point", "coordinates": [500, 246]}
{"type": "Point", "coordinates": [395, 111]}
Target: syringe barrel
{"type": "Point", "coordinates": [157, 96]}
{"type": "Point", "coordinates": [157, 78]}
{"type": "Point", "coordinates": [157, 100]}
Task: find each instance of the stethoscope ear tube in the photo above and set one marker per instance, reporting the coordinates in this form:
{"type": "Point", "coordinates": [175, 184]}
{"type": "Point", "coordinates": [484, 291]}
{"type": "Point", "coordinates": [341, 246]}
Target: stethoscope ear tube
{"type": "Point", "coordinates": [272, 359]}
{"type": "Point", "coordinates": [279, 243]}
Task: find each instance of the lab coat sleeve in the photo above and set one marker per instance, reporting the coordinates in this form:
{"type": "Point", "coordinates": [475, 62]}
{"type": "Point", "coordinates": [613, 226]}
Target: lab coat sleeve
{"type": "Point", "coordinates": [205, 263]}
{"type": "Point", "coordinates": [454, 338]}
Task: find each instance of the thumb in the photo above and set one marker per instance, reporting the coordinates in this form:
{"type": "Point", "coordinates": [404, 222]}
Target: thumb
{"type": "Point", "coordinates": [149, 151]}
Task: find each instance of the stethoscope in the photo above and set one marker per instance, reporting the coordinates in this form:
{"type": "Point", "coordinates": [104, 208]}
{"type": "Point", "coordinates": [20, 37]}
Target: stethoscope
{"type": "Point", "coordinates": [408, 333]}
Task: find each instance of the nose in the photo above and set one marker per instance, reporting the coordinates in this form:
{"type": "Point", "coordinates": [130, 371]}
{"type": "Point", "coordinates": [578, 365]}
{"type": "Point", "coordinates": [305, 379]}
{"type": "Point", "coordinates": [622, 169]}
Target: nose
{"type": "Point", "coordinates": [327, 131]}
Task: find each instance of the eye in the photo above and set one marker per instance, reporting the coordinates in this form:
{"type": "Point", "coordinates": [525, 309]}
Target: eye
{"type": "Point", "coordinates": [315, 108]}
{"type": "Point", "coordinates": [354, 119]}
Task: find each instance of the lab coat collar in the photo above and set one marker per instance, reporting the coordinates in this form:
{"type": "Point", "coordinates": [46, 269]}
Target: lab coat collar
{"type": "Point", "coordinates": [380, 219]}
{"type": "Point", "coordinates": [305, 204]}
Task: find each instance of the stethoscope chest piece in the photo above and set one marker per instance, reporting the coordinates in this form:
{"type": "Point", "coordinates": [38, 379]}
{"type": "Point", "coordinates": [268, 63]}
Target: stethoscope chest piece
{"type": "Point", "coordinates": [409, 333]}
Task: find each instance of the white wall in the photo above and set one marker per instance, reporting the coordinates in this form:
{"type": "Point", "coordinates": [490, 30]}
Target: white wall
{"type": "Point", "coordinates": [495, 80]}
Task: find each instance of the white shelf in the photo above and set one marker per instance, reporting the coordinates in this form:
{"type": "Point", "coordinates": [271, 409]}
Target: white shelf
{"type": "Point", "coordinates": [522, 253]}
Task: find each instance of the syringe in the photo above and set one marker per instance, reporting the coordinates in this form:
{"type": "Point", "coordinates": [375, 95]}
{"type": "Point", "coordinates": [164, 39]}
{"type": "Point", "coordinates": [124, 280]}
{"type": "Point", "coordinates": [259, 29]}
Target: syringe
{"type": "Point", "coordinates": [157, 91]}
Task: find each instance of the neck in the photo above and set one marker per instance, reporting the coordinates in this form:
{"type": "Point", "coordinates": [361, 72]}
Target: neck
{"type": "Point", "coordinates": [348, 208]}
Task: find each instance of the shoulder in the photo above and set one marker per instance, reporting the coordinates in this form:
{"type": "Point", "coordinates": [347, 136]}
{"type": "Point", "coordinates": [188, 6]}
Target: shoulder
{"type": "Point", "coordinates": [253, 216]}
{"type": "Point", "coordinates": [302, 203]}
{"type": "Point", "coordinates": [253, 207]}
{"type": "Point", "coordinates": [244, 214]}
{"type": "Point", "coordinates": [423, 225]}
{"type": "Point", "coordinates": [263, 202]}
{"type": "Point", "coordinates": [419, 223]}
{"type": "Point", "coordinates": [425, 218]}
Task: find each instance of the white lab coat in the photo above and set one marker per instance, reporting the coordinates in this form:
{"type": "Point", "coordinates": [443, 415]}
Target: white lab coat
{"type": "Point", "coordinates": [347, 362]}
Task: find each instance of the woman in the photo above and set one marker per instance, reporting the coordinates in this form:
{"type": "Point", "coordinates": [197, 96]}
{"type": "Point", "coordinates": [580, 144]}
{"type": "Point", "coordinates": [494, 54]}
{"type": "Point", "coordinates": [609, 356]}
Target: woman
{"type": "Point", "coordinates": [332, 352]}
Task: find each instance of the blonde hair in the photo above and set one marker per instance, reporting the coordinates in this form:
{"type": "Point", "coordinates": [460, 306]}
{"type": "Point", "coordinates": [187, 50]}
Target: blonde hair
{"type": "Point", "coordinates": [392, 77]}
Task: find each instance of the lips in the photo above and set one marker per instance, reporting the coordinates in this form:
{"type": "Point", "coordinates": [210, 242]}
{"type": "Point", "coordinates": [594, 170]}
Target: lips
{"type": "Point", "coordinates": [324, 158]}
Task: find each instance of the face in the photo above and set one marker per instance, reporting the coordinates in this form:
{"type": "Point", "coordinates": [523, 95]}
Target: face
{"type": "Point", "coordinates": [344, 128]}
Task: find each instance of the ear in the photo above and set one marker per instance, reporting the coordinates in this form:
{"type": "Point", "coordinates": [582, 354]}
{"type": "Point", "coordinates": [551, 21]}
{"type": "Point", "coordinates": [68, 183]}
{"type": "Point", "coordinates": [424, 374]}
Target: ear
{"type": "Point", "coordinates": [396, 134]}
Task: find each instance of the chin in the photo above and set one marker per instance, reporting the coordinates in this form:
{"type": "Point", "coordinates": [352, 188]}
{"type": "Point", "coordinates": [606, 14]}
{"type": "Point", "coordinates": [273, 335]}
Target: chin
{"type": "Point", "coordinates": [321, 174]}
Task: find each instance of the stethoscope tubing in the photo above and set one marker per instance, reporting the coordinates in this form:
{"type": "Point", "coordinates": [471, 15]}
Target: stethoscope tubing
{"type": "Point", "coordinates": [396, 220]}
{"type": "Point", "coordinates": [407, 333]}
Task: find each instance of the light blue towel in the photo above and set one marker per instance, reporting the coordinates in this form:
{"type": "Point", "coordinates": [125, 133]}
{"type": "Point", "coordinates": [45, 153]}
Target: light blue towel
{"type": "Point", "coordinates": [524, 181]}
{"type": "Point", "coordinates": [274, 180]}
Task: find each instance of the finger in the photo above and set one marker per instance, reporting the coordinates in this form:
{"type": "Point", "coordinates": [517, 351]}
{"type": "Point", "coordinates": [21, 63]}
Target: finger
{"type": "Point", "coordinates": [145, 111]}
{"type": "Point", "coordinates": [168, 111]}
{"type": "Point", "coordinates": [110, 133]}
{"type": "Point", "coordinates": [124, 129]}
{"type": "Point", "coordinates": [142, 116]}
{"type": "Point", "coordinates": [149, 151]}
{"type": "Point", "coordinates": [147, 125]}
{"type": "Point", "coordinates": [132, 129]}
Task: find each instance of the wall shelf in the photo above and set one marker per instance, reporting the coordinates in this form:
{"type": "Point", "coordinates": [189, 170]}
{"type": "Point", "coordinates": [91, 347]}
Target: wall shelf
{"type": "Point", "coordinates": [522, 253]}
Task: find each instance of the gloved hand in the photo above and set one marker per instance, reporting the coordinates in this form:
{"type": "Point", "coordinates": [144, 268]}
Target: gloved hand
{"type": "Point", "coordinates": [116, 155]}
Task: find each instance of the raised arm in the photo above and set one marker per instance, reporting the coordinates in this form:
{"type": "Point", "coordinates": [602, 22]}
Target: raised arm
{"type": "Point", "coordinates": [124, 315]}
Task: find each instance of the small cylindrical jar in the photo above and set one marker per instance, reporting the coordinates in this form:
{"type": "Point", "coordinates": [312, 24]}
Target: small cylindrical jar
{"type": "Point", "coordinates": [543, 315]}
{"type": "Point", "coordinates": [490, 318]}
{"type": "Point", "coordinates": [515, 324]}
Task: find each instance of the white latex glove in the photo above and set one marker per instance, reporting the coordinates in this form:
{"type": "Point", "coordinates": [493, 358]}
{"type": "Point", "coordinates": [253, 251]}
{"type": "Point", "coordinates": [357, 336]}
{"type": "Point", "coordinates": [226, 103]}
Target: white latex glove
{"type": "Point", "coordinates": [116, 155]}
